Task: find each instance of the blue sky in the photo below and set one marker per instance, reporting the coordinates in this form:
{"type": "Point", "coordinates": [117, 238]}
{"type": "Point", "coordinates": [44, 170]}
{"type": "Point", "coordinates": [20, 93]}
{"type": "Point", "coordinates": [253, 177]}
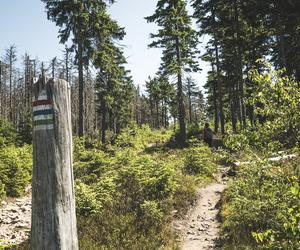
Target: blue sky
{"type": "Point", "coordinates": [24, 23]}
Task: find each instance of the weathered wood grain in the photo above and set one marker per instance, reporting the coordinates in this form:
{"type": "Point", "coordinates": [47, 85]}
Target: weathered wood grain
{"type": "Point", "coordinates": [53, 201]}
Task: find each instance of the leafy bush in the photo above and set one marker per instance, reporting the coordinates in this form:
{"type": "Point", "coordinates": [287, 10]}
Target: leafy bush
{"type": "Point", "coordinates": [131, 201]}
{"type": "Point", "coordinates": [15, 169]}
{"type": "Point", "coordinates": [8, 134]}
{"type": "Point", "coordinates": [141, 138]}
{"type": "Point", "coordinates": [262, 206]}
{"type": "Point", "coordinates": [125, 193]}
{"type": "Point", "coordinates": [199, 160]}
{"type": "Point", "coordinates": [276, 98]}
{"type": "Point", "coordinates": [184, 194]}
{"type": "Point", "coordinates": [194, 130]}
{"type": "Point", "coordinates": [2, 190]}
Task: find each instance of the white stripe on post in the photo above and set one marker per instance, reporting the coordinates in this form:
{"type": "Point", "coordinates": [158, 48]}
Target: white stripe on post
{"type": "Point", "coordinates": [42, 107]}
{"type": "Point", "coordinates": [42, 117]}
{"type": "Point", "coordinates": [43, 127]}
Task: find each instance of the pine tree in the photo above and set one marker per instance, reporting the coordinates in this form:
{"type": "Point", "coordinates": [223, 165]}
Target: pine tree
{"type": "Point", "coordinates": [178, 41]}
{"type": "Point", "coordinates": [84, 20]}
{"type": "Point", "coordinates": [114, 84]}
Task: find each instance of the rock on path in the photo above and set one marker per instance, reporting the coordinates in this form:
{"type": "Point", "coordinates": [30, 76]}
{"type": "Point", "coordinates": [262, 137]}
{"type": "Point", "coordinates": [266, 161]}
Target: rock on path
{"type": "Point", "coordinates": [201, 228]}
{"type": "Point", "coordinates": [15, 219]}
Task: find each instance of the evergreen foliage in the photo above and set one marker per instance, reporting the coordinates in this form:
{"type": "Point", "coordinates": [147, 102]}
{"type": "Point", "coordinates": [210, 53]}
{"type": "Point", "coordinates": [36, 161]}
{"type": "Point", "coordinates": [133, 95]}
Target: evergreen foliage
{"type": "Point", "coordinates": [179, 43]}
{"type": "Point", "coordinates": [125, 194]}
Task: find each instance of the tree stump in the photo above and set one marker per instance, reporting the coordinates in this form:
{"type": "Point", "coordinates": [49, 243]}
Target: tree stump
{"type": "Point", "coordinates": [53, 224]}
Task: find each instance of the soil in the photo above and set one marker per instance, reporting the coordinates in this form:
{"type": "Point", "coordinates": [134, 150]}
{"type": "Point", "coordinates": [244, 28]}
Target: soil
{"type": "Point", "coordinates": [15, 220]}
{"type": "Point", "coordinates": [201, 227]}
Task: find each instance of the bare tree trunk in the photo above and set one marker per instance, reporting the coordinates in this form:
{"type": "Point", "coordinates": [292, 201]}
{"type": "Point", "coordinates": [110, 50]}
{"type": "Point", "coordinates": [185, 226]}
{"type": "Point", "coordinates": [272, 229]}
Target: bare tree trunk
{"type": "Point", "coordinates": [190, 105]}
{"type": "Point", "coordinates": [151, 112]}
{"type": "Point", "coordinates": [220, 94]}
{"type": "Point", "coordinates": [239, 67]}
{"type": "Point", "coordinates": [67, 64]}
{"type": "Point", "coordinates": [181, 109]}
{"type": "Point", "coordinates": [53, 64]}
{"type": "Point", "coordinates": [233, 108]}
{"type": "Point", "coordinates": [157, 114]}
{"type": "Point", "coordinates": [216, 113]}
{"type": "Point", "coordinates": [53, 202]}
{"type": "Point", "coordinates": [81, 91]}
{"type": "Point", "coordinates": [103, 121]}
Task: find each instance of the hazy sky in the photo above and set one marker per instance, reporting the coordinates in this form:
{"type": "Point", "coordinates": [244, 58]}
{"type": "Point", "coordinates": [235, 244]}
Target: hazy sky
{"type": "Point", "coordinates": [24, 23]}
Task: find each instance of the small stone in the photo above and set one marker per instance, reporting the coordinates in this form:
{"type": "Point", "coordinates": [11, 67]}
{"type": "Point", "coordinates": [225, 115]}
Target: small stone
{"type": "Point", "coordinates": [21, 225]}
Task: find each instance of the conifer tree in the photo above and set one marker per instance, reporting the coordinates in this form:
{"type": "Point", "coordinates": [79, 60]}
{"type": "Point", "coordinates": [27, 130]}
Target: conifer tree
{"type": "Point", "coordinates": [114, 84]}
{"type": "Point", "coordinates": [178, 41]}
{"type": "Point", "coordinates": [83, 21]}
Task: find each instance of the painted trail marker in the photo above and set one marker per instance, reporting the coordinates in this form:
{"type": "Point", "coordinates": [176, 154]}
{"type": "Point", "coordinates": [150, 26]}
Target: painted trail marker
{"type": "Point", "coordinates": [42, 113]}
{"type": "Point", "coordinates": [53, 224]}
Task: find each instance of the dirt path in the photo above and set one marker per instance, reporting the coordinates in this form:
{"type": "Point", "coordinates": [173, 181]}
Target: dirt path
{"type": "Point", "coordinates": [200, 229]}
{"type": "Point", "coordinates": [15, 219]}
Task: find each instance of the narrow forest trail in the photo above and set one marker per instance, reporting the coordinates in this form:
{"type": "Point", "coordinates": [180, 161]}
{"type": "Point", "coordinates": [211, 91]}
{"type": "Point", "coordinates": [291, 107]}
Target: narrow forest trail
{"type": "Point", "coordinates": [15, 219]}
{"type": "Point", "coordinates": [201, 227]}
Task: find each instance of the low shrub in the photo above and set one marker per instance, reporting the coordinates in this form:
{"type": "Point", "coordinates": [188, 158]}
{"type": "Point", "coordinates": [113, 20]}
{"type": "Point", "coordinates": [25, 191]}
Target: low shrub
{"type": "Point", "coordinates": [8, 134]}
{"type": "Point", "coordinates": [126, 194]}
{"type": "Point", "coordinates": [199, 160]}
{"type": "Point", "coordinates": [262, 206]}
{"type": "Point", "coordinates": [15, 169]}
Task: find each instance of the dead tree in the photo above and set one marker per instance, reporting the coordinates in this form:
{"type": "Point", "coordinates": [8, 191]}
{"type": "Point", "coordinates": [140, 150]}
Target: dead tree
{"type": "Point", "coordinates": [53, 202]}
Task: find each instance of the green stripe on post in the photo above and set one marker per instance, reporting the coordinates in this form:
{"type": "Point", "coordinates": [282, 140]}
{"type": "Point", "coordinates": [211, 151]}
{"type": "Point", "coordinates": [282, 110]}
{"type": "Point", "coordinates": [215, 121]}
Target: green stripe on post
{"type": "Point", "coordinates": [43, 122]}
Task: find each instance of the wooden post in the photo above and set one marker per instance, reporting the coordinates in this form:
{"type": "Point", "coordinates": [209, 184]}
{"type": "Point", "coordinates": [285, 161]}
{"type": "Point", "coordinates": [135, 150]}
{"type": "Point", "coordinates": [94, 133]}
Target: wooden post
{"type": "Point", "coordinates": [53, 201]}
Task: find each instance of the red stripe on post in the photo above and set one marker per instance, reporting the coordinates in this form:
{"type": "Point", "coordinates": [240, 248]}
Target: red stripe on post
{"type": "Point", "coordinates": [41, 102]}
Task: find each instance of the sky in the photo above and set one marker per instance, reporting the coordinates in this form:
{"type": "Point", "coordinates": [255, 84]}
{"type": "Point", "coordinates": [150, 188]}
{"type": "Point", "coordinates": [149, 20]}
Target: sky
{"type": "Point", "coordinates": [24, 23]}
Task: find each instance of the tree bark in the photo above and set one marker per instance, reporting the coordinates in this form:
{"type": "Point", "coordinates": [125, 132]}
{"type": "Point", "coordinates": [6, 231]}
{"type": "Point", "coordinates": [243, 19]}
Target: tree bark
{"type": "Point", "coordinates": [216, 113]}
{"type": "Point", "coordinates": [190, 104]}
{"type": "Point", "coordinates": [157, 113]}
{"type": "Point", "coordinates": [103, 121]}
{"type": "Point", "coordinates": [53, 202]}
{"type": "Point", "coordinates": [181, 109]}
{"type": "Point", "coordinates": [219, 87]}
{"type": "Point", "coordinates": [239, 66]}
{"type": "Point", "coordinates": [81, 90]}
{"type": "Point", "coordinates": [233, 108]}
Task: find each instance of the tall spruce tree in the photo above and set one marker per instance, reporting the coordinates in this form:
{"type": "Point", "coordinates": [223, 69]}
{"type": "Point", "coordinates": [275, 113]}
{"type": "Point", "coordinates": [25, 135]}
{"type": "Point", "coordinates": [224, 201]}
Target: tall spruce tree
{"type": "Point", "coordinates": [191, 91]}
{"type": "Point", "coordinates": [179, 43]}
{"type": "Point", "coordinates": [114, 84]}
{"type": "Point", "coordinates": [82, 21]}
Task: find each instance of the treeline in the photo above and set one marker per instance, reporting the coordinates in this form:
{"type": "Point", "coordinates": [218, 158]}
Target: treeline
{"type": "Point", "coordinates": [241, 34]}
{"type": "Point", "coordinates": [104, 98]}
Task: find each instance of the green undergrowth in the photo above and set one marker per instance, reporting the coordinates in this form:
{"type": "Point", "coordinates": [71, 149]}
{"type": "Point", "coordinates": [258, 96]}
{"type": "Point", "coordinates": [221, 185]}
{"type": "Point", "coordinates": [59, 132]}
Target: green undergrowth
{"type": "Point", "coordinates": [261, 206]}
{"type": "Point", "coordinates": [128, 193]}
{"type": "Point", "coordinates": [15, 163]}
